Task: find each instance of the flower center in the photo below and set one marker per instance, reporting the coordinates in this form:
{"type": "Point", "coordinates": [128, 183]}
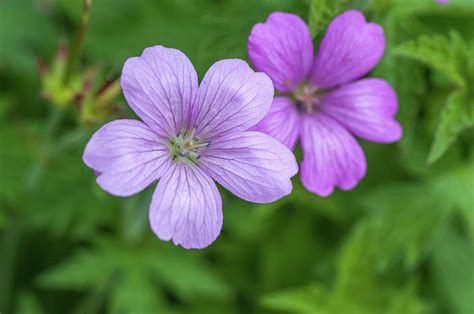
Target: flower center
{"type": "Point", "coordinates": [185, 146]}
{"type": "Point", "coordinates": [307, 97]}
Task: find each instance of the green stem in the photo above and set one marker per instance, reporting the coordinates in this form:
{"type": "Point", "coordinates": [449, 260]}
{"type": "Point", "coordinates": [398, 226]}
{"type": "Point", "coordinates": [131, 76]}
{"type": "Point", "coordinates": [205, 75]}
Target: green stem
{"type": "Point", "coordinates": [52, 124]}
{"type": "Point", "coordinates": [76, 49]}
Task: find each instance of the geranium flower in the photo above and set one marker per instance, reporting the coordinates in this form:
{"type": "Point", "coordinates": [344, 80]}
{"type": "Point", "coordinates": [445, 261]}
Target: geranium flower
{"type": "Point", "coordinates": [322, 103]}
{"type": "Point", "coordinates": [188, 136]}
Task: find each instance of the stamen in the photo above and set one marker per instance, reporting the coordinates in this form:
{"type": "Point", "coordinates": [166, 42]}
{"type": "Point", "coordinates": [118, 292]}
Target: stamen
{"type": "Point", "coordinates": [307, 97]}
{"type": "Point", "coordinates": [186, 146]}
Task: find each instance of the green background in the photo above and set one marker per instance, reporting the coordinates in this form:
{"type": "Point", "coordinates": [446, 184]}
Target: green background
{"type": "Point", "coordinates": [401, 242]}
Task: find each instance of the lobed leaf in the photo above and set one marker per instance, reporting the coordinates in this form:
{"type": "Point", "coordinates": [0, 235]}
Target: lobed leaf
{"type": "Point", "coordinates": [456, 117]}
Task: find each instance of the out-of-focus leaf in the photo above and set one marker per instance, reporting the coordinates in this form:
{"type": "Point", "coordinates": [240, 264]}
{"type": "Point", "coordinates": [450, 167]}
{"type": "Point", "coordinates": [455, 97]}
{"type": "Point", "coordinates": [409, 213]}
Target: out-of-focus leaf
{"type": "Point", "coordinates": [124, 271]}
{"type": "Point", "coordinates": [185, 274]}
{"type": "Point", "coordinates": [19, 40]}
{"type": "Point", "coordinates": [15, 157]}
{"type": "Point", "coordinates": [28, 302]}
{"type": "Point", "coordinates": [407, 232]}
{"type": "Point", "coordinates": [453, 268]}
{"type": "Point", "coordinates": [455, 188]}
{"type": "Point", "coordinates": [440, 53]}
{"type": "Point", "coordinates": [404, 231]}
{"type": "Point", "coordinates": [297, 264]}
{"type": "Point", "coordinates": [321, 13]}
{"type": "Point", "coordinates": [456, 117]}
{"type": "Point", "coordinates": [311, 299]}
{"type": "Point", "coordinates": [409, 88]}
{"type": "Point", "coordinates": [359, 288]}
{"type": "Point", "coordinates": [85, 269]}
{"type": "Point", "coordinates": [135, 293]}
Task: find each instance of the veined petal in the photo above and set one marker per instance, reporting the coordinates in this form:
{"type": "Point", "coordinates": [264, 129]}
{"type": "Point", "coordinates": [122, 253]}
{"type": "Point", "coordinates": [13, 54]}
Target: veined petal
{"type": "Point", "coordinates": [186, 208]}
{"type": "Point", "coordinates": [231, 98]}
{"type": "Point", "coordinates": [252, 165]}
{"type": "Point", "coordinates": [350, 49]}
{"type": "Point", "coordinates": [127, 156]}
{"type": "Point", "coordinates": [282, 48]}
{"type": "Point", "coordinates": [331, 156]}
{"type": "Point", "coordinates": [160, 86]}
{"type": "Point", "coordinates": [282, 122]}
{"type": "Point", "coordinates": [366, 108]}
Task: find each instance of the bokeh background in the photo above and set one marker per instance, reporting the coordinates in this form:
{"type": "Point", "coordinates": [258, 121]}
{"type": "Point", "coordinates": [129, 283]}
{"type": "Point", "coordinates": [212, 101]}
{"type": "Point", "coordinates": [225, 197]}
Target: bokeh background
{"type": "Point", "coordinates": [401, 242]}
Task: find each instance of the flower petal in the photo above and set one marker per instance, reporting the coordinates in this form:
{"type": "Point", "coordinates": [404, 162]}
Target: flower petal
{"type": "Point", "coordinates": [231, 98]}
{"type": "Point", "coordinates": [127, 156]}
{"type": "Point", "coordinates": [160, 86]}
{"type": "Point", "coordinates": [282, 122]}
{"type": "Point", "coordinates": [349, 50]}
{"type": "Point", "coordinates": [366, 108]}
{"type": "Point", "coordinates": [331, 156]}
{"type": "Point", "coordinates": [282, 48]}
{"type": "Point", "coordinates": [186, 208]}
{"type": "Point", "coordinates": [252, 165]}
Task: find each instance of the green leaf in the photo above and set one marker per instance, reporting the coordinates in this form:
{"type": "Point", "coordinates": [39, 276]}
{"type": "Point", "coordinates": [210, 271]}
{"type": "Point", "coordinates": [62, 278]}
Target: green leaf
{"type": "Point", "coordinates": [135, 293]}
{"type": "Point", "coordinates": [28, 302]}
{"type": "Point", "coordinates": [136, 276]}
{"type": "Point", "coordinates": [453, 269]}
{"type": "Point", "coordinates": [85, 269]}
{"type": "Point", "coordinates": [456, 117]}
{"type": "Point", "coordinates": [310, 299]}
{"type": "Point", "coordinates": [18, 39]}
{"type": "Point", "coordinates": [410, 88]}
{"type": "Point", "coordinates": [14, 161]}
{"type": "Point", "coordinates": [359, 288]}
{"type": "Point", "coordinates": [404, 232]}
{"type": "Point", "coordinates": [439, 52]}
{"type": "Point", "coordinates": [321, 12]}
{"type": "Point", "coordinates": [454, 188]}
{"type": "Point", "coordinates": [185, 274]}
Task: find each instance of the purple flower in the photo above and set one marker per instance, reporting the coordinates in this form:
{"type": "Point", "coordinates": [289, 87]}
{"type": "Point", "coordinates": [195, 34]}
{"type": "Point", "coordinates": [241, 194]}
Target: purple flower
{"type": "Point", "coordinates": [322, 103]}
{"type": "Point", "coordinates": [188, 136]}
{"type": "Point", "coordinates": [442, 1]}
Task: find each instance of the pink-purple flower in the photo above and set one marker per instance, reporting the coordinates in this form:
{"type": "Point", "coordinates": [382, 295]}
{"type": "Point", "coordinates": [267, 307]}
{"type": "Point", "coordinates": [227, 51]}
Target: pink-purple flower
{"type": "Point", "coordinates": [323, 101]}
{"type": "Point", "coordinates": [189, 135]}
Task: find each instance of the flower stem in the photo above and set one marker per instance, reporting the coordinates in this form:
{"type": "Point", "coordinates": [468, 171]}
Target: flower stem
{"type": "Point", "coordinates": [105, 98]}
{"type": "Point", "coordinates": [78, 44]}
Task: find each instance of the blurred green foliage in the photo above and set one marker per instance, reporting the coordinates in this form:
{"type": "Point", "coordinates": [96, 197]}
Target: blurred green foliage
{"type": "Point", "coordinates": [401, 242]}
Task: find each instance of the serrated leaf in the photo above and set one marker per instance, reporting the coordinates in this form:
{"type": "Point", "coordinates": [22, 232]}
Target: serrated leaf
{"type": "Point", "coordinates": [439, 52]}
{"type": "Point", "coordinates": [358, 287]}
{"type": "Point", "coordinates": [456, 117]}
{"type": "Point", "coordinates": [321, 12]}
{"type": "Point", "coordinates": [311, 299]}
{"type": "Point", "coordinates": [404, 232]}
{"type": "Point", "coordinates": [410, 88]}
